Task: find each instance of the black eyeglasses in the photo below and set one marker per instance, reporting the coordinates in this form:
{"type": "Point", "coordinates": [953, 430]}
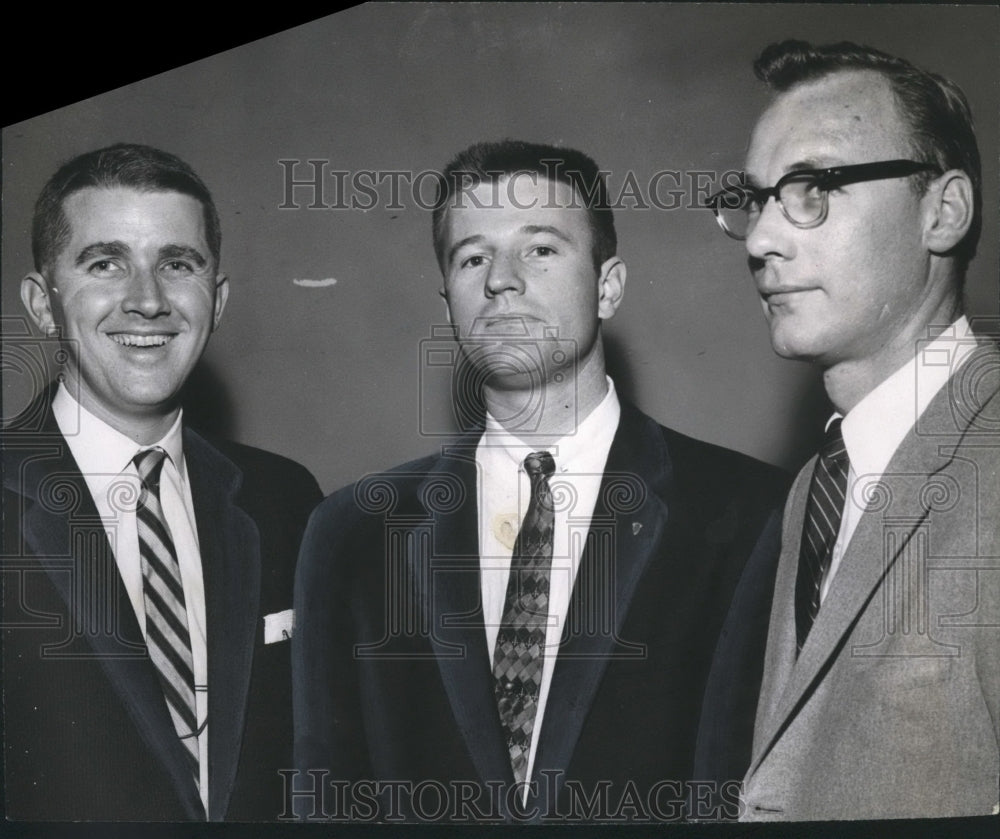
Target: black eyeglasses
{"type": "Point", "coordinates": [802, 194]}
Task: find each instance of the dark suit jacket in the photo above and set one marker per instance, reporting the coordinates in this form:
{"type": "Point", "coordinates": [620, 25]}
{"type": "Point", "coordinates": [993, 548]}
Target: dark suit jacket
{"type": "Point", "coordinates": [892, 708]}
{"type": "Point", "coordinates": [88, 734]}
{"type": "Point", "coordinates": [392, 679]}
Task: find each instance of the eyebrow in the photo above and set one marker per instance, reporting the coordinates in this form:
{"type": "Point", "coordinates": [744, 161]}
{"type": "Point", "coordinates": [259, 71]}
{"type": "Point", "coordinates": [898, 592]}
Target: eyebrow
{"type": "Point", "coordinates": [102, 249]}
{"type": "Point", "coordinates": [798, 166]}
{"type": "Point", "coordinates": [116, 248]}
{"type": "Point", "coordinates": [468, 240]}
{"type": "Point", "coordinates": [546, 228]}
{"type": "Point", "coordinates": [811, 163]}
{"type": "Point", "coordinates": [183, 252]}
{"type": "Point", "coordinates": [530, 229]}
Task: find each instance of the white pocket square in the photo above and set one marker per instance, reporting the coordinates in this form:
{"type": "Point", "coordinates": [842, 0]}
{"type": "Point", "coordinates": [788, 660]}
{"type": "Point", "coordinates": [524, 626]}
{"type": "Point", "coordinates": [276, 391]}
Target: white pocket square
{"type": "Point", "coordinates": [279, 626]}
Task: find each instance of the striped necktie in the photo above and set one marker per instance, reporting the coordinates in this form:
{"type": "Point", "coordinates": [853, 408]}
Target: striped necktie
{"type": "Point", "coordinates": [824, 509]}
{"type": "Point", "coordinates": [167, 637]}
{"type": "Point", "coordinates": [518, 656]}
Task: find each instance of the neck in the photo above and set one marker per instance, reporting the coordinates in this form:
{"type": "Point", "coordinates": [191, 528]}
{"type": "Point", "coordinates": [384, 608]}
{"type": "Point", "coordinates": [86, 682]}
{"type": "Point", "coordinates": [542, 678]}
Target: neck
{"type": "Point", "coordinates": [849, 381]}
{"type": "Point", "coordinates": [564, 402]}
{"type": "Point", "coordinates": [144, 431]}
{"type": "Point", "coordinates": [143, 428]}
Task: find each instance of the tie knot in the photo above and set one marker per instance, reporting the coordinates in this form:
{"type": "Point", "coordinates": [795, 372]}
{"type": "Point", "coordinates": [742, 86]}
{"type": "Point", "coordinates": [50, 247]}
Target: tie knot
{"type": "Point", "coordinates": [539, 465]}
{"type": "Point", "coordinates": [834, 450]}
{"type": "Point", "coordinates": [149, 464]}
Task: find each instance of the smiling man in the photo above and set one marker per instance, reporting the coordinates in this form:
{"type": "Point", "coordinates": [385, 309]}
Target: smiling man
{"type": "Point", "coordinates": [145, 568]}
{"type": "Point", "coordinates": [519, 628]}
{"type": "Point", "coordinates": [860, 212]}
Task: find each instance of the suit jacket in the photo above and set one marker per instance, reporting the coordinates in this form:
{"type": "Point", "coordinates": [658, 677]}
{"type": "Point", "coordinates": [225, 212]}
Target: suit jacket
{"type": "Point", "coordinates": [892, 708]}
{"type": "Point", "coordinates": [393, 681]}
{"type": "Point", "coordinates": [88, 734]}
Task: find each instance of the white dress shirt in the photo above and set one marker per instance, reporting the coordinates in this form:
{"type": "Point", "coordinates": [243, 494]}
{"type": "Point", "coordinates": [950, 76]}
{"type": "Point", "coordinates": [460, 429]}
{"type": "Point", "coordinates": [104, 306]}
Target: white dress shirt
{"type": "Point", "coordinates": [104, 456]}
{"type": "Point", "coordinates": [874, 428]}
{"type": "Point", "coordinates": [504, 495]}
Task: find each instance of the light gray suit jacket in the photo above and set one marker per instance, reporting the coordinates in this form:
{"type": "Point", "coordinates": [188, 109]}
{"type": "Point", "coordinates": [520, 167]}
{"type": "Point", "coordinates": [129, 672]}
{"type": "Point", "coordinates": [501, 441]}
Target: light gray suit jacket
{"type": "Point", "coordinates": [892, 709]}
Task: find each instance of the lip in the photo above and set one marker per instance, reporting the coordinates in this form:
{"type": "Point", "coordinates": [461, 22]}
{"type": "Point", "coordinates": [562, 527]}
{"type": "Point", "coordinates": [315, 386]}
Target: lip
{"type": "Point", "coordinates": [508, 320]}
{"type": "Point", "coordinates": [783, 294]}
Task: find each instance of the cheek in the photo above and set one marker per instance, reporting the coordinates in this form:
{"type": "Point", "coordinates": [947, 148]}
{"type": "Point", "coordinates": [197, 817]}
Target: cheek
{"type": "Point", "coordinates": [195, 304]}
{"type": "Point", "coordinates": [459, 309]}
{"type": "Point", "coordinates": [855, 263]}
{"type": "Point", "coordinates": [886, 234]}
{"type": "Point", "coordinates": [893, 274]}
{"type": "Point", "coordinates": [82, 308]}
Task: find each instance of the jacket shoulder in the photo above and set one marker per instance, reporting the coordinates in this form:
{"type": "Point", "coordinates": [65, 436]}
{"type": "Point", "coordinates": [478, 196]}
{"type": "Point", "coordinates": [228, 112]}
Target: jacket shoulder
{"type": "Point", "coordinates": [259, 463]}
{"type": "Point", "coordinates": [707, 467]}
{"type": "Point", "coordinates": [349, 527]}
{"type": "Point", "coordinates": [377, 490]}
{"type": "Point", "coordinates": [711, 458]}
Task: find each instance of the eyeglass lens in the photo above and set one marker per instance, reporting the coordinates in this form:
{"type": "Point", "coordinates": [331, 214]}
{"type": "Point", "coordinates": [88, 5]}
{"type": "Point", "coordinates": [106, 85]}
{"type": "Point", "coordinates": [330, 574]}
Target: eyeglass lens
{"type": "Point", "coordinates": [802, 202]}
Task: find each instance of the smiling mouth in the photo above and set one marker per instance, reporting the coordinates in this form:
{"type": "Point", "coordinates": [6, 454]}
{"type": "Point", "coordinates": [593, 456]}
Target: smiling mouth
{"type": "Point", "coordinates": [126, 339]}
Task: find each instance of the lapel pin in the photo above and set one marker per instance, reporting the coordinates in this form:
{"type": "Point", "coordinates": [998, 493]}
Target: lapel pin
{"type": "Point", "coordinates": [636, 527]}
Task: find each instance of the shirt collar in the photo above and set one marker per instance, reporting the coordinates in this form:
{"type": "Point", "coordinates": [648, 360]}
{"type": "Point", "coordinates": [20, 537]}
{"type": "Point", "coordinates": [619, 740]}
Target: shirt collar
{"type": "Point", "coordinates": [874, 428]}
{"type": "Point", "coordinates": [594, 434]}
{"type": "Point", "coordinates": [100, 449]}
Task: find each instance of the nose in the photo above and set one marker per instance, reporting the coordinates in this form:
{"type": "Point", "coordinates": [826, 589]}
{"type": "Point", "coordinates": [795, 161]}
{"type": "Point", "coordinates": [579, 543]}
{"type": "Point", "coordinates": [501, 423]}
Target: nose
{"type": "Point", "coordinates": [504, 275]}
{"type": "Point", "coordinates": [145, 294]}
{"type": "Point", "coordinates": [770, 236]}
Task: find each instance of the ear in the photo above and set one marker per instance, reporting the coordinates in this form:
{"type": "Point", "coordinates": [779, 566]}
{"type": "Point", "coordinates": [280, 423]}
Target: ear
{"type": "Point", "coordinates": [610, 287]}
{"type": "Point", "coordinates": [38, 302]}
{"type": "Point", "coordinates": [221, 296]}
{"type": "Point", "coordinates": [443, 292]}
{"type": "Point", "coordinates": [948, 210]}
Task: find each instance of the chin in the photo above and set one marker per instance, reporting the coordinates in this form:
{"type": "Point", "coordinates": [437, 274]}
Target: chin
{"type": "Point", "coordinates": [515, 382]}
{"type": "Point", "coordinates": [152, 402]}
{"type": "Point", "coordinates": [791, 348]}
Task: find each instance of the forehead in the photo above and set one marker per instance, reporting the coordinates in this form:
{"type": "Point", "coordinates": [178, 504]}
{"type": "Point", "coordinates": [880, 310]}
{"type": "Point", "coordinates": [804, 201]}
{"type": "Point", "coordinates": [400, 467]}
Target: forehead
{"type": "Point", "coordinates": [511, 203]}
{"type": "Point", "coordinates": [846, 117]}
{"type": "Point", "coordinates": [135, 217]}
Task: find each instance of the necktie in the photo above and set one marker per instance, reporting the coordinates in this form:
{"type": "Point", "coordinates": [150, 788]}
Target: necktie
{"type": "Point", "coordinates": [824, 509]}
{"type": "Point", "coordinates": [518, 657]}
{"type": "Point", "coordinates": [167, 635]}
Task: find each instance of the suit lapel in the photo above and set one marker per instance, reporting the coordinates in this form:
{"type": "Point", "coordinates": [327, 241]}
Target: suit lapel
{"type": "Point", "coordinates": [229, 544]}
{"type": "Point", "coordinates": [622, 539]}
{"type": "Point", "coordinates": [70, 543]}
{"type": "Point", "coordinates": [927, 449]}
{"type": "Point", "coordinates": [779, 657]}
{"type": "Point", "coordinates": [626, 528]}
{"type": "Point", "coordinates": [448, 582]}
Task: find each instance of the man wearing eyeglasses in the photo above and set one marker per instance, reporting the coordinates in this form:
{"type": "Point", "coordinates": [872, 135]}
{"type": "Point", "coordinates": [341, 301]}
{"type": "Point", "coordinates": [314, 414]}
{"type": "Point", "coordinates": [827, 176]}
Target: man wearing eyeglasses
{"type": "Point", "coordinates": [860, 211]}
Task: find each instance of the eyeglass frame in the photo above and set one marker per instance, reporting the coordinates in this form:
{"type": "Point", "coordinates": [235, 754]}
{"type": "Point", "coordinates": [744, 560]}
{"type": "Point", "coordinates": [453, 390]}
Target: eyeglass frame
{"type": "Point", "coordinates": [826, 179]}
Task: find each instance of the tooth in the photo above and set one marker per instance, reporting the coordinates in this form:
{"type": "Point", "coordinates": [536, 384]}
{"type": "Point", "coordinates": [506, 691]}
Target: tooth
{"type": "Point", "coordinates": [141, 340]}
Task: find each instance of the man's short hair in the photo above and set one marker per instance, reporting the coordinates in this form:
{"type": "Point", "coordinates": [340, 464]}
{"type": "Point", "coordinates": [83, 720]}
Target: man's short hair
{"type": "Point", "coordinates": [489, 162]}
{"type": "Point", "coordinates": [941, 127]}
{"type": "Point", "coordinates": [130, 165]}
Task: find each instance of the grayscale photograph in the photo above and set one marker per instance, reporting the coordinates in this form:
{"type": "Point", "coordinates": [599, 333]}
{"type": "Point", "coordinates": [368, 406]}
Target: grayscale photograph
{"type": "Point", "coordinates": [506, 416]}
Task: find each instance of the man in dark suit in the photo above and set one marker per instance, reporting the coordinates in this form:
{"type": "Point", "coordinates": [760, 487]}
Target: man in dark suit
{"type": "Point", "coordinates": [519, 627]}
{"type": "Point", "coordinates": [881, 687]}
{"type": "Point", "coordinates": [147, 572]}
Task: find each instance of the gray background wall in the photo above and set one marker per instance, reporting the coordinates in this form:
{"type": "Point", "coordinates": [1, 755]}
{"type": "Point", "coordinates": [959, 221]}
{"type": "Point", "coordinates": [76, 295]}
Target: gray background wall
{"type": "Point", "coordinates": [333, 376]}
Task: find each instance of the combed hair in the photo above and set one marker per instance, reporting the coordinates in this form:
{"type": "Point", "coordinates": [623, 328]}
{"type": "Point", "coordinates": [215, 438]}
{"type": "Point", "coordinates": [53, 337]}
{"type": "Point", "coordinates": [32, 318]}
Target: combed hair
{"type": "Point", "coordinates": [935, 108]}
{"type": "Point", "coordinates": [491, 161]}
{"type": "Point", "coordinates": [129, 165]}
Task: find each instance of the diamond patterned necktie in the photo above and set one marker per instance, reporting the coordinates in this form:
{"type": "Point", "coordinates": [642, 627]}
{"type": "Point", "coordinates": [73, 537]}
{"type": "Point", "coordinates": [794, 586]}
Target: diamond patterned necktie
{"type": "Point", "coordinates": [518, 656]}
{"type": "Point", "coordinates": [167, 635]}
{"type": "Point", "coordinates": [824, 508]}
